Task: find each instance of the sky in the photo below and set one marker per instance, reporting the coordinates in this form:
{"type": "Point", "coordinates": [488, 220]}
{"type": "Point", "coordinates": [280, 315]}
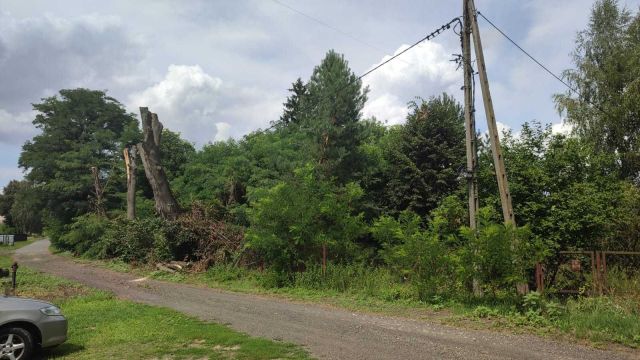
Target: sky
{"type": "Point", "coordinates": [218, 69]}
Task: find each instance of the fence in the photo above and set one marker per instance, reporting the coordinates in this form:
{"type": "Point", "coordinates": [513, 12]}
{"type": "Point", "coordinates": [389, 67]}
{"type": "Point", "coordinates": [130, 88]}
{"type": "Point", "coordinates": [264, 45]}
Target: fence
{"type": "Point", "coordinates": [7, 239]}
{"type": "Point", "coordinates": [583, 270]}
{"type": "Point", "coordinates": [11, 239]}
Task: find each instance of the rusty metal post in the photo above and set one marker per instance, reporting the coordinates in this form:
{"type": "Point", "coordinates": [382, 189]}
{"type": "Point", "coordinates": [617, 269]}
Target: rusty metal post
{"type": "Point", "coordinates": [604, 270]}
{"type": "Point", "coordinates": [593, 272]}
{"type": "Point", "coordinates": [539, 278]}
{"type": "Point", "coordinates": [598, 273]}
{"type": "Point", "coordinates": [14, 271]}
{"type": "Point", "coordinates": [324, 259]}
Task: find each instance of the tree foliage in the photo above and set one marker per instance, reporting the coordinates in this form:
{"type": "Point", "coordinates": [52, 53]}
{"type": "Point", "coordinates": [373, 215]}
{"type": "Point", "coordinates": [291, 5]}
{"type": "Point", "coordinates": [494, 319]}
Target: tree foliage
{"type": "Point", "coordinates": [332, 111]}
{"type": "Point", "coordinates": [426, 157]}
{"type": "Point", "coordinates": [606, 110]}
{"type": "Point", "coordinates": [80, 128]}
{"type": "Point", "coordinates": [292, 220]}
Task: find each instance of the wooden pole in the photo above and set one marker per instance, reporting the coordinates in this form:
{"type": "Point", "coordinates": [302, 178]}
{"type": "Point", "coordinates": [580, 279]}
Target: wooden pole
{"type": "Point", "coordinates": [494, 139]}
{"type": "Point", "coordinates": [470, 131]}
{"type": "Point", "coordinates": [469, 120]}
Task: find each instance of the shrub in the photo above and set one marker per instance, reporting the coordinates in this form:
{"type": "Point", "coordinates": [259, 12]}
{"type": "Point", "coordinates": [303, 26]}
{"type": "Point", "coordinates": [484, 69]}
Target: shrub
{"type": "Point", "coordinates": [6, 229]}
{"type": "Point", "coordinates": [416, 254]}
{"type": "Point", "coordinates": [292, 221]}
{"type": "Point", "coordinates": [498, 255]}
{"type": "Point", "coordinates": [82, 234]}
{"type": "Point", "coordinates": [140, 240]}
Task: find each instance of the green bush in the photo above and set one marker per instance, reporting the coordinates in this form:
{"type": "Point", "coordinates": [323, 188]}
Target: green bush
{"type": "Point", "coordinates": [498, 255]}
{"type": "Point", "coordinates": [6, 229]}
{"type": "Point", "coordinates": [140, 241]}
{"type": "Point", "coordinates": [85, 232]}
{"type": "Point", "coordinates": [292, 221]}
{"type": "Point", "coordinates": [416, 254]}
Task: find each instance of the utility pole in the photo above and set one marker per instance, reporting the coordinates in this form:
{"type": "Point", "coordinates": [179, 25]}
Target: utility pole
{"type": "Point", "coordinates": [498, 161]}
{"type": "Point", "coordinates": [469, 119]}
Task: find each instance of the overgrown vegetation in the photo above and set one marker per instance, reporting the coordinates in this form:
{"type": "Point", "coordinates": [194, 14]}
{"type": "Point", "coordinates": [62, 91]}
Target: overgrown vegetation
{"type": "Point", "coordinates": [327, 200]}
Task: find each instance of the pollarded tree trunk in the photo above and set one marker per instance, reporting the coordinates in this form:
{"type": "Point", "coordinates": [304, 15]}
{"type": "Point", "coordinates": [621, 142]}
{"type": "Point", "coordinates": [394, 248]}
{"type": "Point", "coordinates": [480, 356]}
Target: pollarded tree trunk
{"type": "Point", "coordinates": [149, 149]}
{"type": "Point", "coordinates": [130, 165]}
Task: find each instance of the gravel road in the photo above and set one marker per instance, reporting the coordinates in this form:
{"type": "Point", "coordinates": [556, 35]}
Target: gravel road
{"type": "Point", "coordinates": [327, 333]}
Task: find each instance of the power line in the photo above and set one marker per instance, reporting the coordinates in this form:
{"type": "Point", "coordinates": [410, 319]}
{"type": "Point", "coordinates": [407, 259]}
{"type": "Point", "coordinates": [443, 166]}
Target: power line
{"type": "Point", "coordinates": [430, 36]}
{"type": "Point", "coordinates": [571, 88]}
{"type": "Point", "coordinates": [529, 55]}
{"type": "Point", "coordinates": [329, 26]}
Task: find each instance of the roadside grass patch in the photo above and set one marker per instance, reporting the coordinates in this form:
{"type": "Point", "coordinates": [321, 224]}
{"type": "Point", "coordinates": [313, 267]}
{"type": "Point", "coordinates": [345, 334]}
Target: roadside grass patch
{"type": "Point", "coordinates": [108, 328]}
{"type": "Point", "coordinates": [104, 327]}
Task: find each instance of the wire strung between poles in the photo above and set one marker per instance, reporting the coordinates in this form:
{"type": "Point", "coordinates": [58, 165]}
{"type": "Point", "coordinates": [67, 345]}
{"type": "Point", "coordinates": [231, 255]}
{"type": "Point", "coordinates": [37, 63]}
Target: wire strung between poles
{"type": "Point", "coordinates": [430, 36]}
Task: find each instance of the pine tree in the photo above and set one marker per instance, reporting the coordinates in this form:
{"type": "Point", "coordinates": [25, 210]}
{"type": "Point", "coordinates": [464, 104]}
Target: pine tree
{"type": "Point", "coordinates": [294, 105]}
{"type": "Point", "coordinates": [425, 161]}
{"type": "Point", "coordinates": [336, 98]}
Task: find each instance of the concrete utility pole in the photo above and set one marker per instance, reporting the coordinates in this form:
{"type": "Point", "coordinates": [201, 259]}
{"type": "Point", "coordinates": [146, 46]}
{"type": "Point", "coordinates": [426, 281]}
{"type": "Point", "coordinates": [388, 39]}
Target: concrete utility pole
{"type": "Point", "coordinates": [494, 139]}
{"type": "Point", "coordinates": [469, 119]}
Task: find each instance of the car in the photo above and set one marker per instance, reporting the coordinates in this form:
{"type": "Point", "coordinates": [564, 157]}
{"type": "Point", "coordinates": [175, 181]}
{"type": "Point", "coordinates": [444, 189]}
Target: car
{"type": "Point", "coordinates": [26, 324]}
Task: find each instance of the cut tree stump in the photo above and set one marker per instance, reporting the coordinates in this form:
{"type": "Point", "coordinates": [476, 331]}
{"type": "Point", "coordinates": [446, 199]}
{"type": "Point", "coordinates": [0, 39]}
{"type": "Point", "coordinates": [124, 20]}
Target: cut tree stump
{"type": "Point", "coordinates": [149, 150]}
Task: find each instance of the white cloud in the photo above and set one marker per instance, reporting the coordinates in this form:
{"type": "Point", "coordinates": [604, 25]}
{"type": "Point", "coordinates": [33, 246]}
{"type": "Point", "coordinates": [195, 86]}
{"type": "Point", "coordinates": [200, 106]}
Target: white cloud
{"type": "Point", "coordinates": [204, 108]}
{"type": "Point", "coordinates": [222, 131]}
{"type": "Point", "coordinates": [562, 128]}
{"type": "Point", "coordinates": [185, 101]}
{"type": "Point", "coordinates": [388, 108]}
{"type": "Point", "coordinates": [16, 128]}
{"type": "Point", "coordinates": [502, 127]}
{"type": "Point", "coordinates": [423, 71]}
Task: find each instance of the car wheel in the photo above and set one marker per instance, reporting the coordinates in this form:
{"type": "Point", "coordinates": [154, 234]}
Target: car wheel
{"type": "Point", "coordinates": [15, 344]}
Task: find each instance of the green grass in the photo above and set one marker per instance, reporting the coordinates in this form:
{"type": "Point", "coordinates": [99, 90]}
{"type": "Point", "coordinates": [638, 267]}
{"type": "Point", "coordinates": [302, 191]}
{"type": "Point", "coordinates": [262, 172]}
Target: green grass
{"type": "Point", "coordinates": [103, 327]}
{"type": "Point", "coordinates": [599, 321]}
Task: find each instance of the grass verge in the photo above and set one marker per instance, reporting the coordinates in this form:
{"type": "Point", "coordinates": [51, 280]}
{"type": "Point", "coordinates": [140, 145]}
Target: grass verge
{"type": "Point", "coordinates": [599, 321]}
{"type": "Point", "coordinates": [103, 327]}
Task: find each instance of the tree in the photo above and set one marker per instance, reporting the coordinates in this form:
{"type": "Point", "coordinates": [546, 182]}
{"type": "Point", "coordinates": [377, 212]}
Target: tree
{"type": "Point", "coordinates": [151, 155]}
{"type": "Point", "coordinates": [80, 128]}
{"type": "Point", "coordinates": [332, 112]}
{"type": "Point", "coordinates": [425, 161]}
{"type": "Point", "coordinates": [7, 198]}
{"type": "Point", "coordinates": [26, 211]}
{"type": "Point", "coordinates": [21, 206]}
{"type": "Point", "coordinates": [293, 107]}
{"type": "Point", "coordinates": [567, 194]}
{"type": "Point", "coordinates": [175, 152]}
{"type": "Point", "coordinates": [606, 110]}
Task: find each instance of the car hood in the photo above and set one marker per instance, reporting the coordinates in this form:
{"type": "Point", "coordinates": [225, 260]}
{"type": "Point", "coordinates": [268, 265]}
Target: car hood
{"type": "Point", "coordinates": [14, 303]}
